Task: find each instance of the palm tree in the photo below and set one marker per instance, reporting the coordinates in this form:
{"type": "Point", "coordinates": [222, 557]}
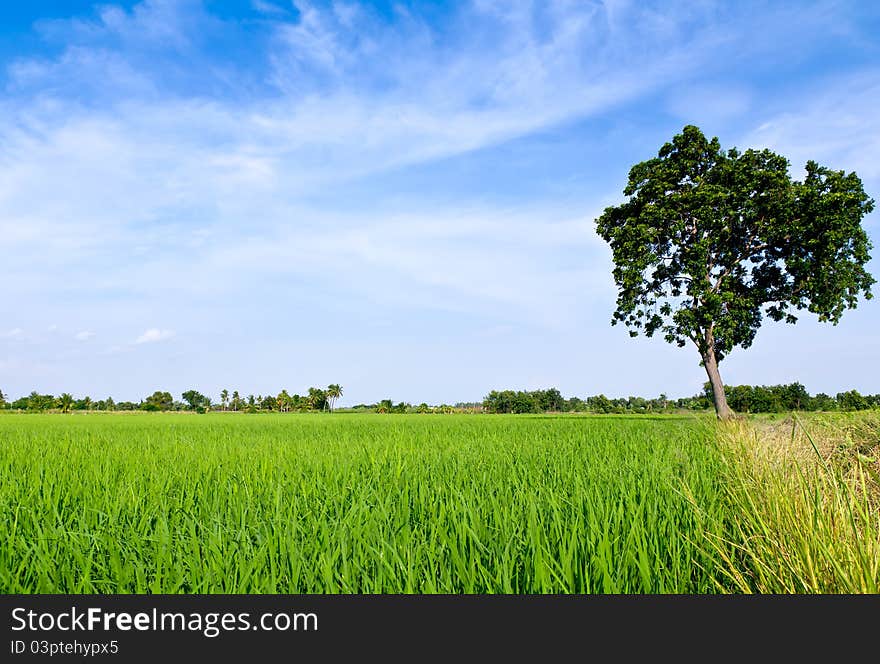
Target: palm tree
{"type": "Point", "coordinates": [66, 402]}
{"type": "Point", "coordinates": [317, 398]}
{"type": "Point", "coordinates": [334, 391]}
{"type": "Point", "coordinates": [224, 397]}
{"type": "Point", "coordinates": [236, 400]}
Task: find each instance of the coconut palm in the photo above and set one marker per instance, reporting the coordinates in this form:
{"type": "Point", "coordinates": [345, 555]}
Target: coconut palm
{"type": "Point", "coordinates": [224, 397]}
{"type": "Point", "coordinates": [283, 399]}
{"type": "Point", "coordinates": [333, 393]}
{"type": "Point", "coordinates": [317, 398]}
{"type": "Point", "coordinates": [65, 402]}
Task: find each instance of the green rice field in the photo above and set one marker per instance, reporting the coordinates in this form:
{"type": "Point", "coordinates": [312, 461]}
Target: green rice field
{"type": "Point", "coordinates": [225, 503]}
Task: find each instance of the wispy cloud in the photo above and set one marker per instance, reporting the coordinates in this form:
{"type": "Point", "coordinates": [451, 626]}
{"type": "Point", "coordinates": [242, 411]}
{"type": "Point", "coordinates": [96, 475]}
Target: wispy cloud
{"type": "Point", "coordinates": [345, 93]}
{"type": "Point", "coordinates": [153, 335]}
{"type": "Point", "coordinates": [85, 335]}
{"type": "Point", "coordinates": [14, 333]}
{"type": "Point", "coordinates": [160, 163]}
{"type": "Point", "coordinates": [835, 122]}
{"type": "Point", "coordinates": [265, 7]}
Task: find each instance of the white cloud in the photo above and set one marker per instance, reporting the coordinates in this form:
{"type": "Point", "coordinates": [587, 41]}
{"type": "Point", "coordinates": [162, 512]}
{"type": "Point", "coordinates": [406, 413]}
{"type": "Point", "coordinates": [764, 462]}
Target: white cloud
{"type": "Point", "coordinates": [353, 95]}
{"type": "Point", "coordinates": [14, 333]}
{"type": "Point", "coordinates": [836, 124]}
{"type": "Point", "coordinates": [153, 335]}
{"type": "Point", "coordinates": [265, 7]}
{"type": "Point", "coordinates": [85, 335]}
{"type": "Point", "coordinates": [166, 180]}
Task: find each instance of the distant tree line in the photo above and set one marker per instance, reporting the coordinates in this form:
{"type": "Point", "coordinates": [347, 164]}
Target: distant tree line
{"type": "Point", "coordinates": [317, 399]}
{"type": "Point", "coordinates": [741, 398]}
{"type": "Point", "coordinates": [388, 406]}
{"type": "Point", "coordinates": [783, 398]}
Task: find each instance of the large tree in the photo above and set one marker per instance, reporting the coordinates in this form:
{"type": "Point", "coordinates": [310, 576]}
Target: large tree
{"type": "Point", "coordinates": [159, 401]}
{"type": "Point", "coordinates": [710, 241]}
{"type": "Point", "coordinates": [194, 398]}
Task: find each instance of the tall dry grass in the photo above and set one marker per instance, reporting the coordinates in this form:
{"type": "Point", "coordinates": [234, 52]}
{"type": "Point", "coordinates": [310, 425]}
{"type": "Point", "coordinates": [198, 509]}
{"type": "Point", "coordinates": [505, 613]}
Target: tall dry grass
{"type": "Point", "coordinates": [804, 503]}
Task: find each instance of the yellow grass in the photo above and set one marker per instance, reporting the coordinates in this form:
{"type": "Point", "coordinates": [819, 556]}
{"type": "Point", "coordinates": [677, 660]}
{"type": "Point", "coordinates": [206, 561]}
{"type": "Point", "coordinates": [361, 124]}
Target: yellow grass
{"type": "Point", "coordinates": [804, 498]}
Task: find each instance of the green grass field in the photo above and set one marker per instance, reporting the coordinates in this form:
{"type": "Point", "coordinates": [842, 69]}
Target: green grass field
{"type": "Point", "coordinates": [377, 504]}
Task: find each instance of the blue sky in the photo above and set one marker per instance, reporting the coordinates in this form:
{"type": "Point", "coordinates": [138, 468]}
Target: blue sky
{"type": "Point", "coordinates": [396, 197]}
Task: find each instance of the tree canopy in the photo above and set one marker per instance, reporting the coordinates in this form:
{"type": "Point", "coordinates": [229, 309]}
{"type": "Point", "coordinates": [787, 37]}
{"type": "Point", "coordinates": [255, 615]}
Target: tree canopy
{"type": "Point", "coordinates": [710, 241]}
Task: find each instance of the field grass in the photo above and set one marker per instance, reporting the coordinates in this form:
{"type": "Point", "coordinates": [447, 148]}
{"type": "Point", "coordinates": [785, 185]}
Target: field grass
{"type": "Point", "coordinates": [354, 503]}
{"type": "Point", "coordinates": [422, 504]}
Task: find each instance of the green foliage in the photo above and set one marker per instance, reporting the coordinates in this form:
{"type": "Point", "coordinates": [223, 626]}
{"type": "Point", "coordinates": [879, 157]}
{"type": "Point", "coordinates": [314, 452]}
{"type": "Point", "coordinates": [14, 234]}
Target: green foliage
{"type": "Point", "coordinates": [317, 399]}
{"type": "Point", "coordinates": [85, 403]}
{"type": "Point", "coordinates": [551, 400]}
{"type": "Point", "coordinates": [743, 398]}
{"type": "Point", "coordinates": [196, 400]}
{"type": "Point", "coordinates": [37, 402]}
{"type": "Point", "coordinates": [509, 401]}
{"type": "Point", "coordinates": [158, 401]}
{"type": "Point", "coordinates": [387, 406]}
{"type": "Point", "coordinates": [765, 399]}
{"type": "Point", "coordinates": [710, 241]}
{"type": "Point", "coordinates": [65, 402]}
{"type": "Point", "coordinates": [333, 393]}
{"type": "Point", "coordinates": [852, 400]}
{"type": "Point", "coordinates": [792, 397]}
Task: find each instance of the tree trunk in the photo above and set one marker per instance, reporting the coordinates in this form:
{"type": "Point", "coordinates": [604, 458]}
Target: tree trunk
{"type": "Point", "coordinates": [722, 410]}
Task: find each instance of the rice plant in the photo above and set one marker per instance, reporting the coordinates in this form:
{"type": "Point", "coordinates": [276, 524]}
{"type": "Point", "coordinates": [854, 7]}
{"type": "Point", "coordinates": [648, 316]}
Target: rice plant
{"type": "Point", "coordinates": [347, 503]}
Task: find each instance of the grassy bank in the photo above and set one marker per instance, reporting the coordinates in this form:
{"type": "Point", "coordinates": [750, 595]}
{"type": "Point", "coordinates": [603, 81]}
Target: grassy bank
{"type": "Point", "coordinates": [804, 505]}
